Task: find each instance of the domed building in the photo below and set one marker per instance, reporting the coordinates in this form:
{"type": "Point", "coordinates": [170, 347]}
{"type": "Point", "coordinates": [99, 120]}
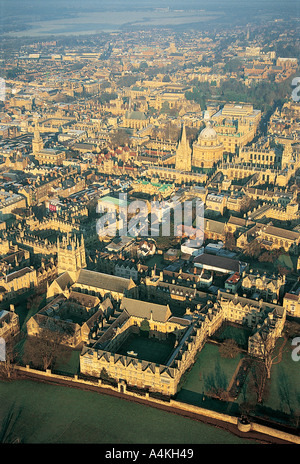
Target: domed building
{"type": "Point", "coordinates": [207, 150]}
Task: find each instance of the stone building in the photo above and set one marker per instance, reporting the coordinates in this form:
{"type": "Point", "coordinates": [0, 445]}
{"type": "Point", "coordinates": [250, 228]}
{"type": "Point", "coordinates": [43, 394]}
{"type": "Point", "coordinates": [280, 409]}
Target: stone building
{"type": "Point", "coordinates": [267, 287]}
{"type": "Point", "coordinates": [270, 237]}
{"type": "Point", "coordinates": [17, 283]}
{"type": "Point", "coordinates": [92, 283]}
{"type": "Point", "coordinates": [129, 369]}
{"type": "Point", "coordinates": [9, 323]}
{"type": "Point", "coordinates": [74, 317]}
{"type": "Point", "coordinates": [291, 303]}
{"type": "Point", "coordinates": [190, 334]}
{"type": "Point", "coordinates": [208, 149]}
{"type": "Point", "coordinates": [46, 155]}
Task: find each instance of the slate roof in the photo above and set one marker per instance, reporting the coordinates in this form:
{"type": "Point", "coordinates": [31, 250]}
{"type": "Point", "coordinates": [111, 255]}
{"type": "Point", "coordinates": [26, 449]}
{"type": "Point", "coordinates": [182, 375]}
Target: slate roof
{"type": "Point", "coordinates": [143, 309]}
{"type": "Point", "coordinates": [218, 262]}
{"type": "Point", "coordinates": [282, 233]}
{"type": "Point", "coordinates": [103, 281]}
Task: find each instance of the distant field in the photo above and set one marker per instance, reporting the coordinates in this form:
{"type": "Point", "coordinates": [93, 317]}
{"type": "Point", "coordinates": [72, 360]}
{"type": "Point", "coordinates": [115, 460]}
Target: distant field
{"type": "Point", "coordinates": [91, 23]}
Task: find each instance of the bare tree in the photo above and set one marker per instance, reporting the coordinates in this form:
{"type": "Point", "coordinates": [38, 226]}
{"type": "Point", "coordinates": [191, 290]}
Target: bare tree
{"type": "Point", "coordinates": [119, 138]}
{"type": "Point", "coordinates": [216, 383]}
{"type": "Point", "coordinates": [259, 379]}
{"type": "Point", "coordinates": [268, 356]}
{"type": "Point", "coordinates": [230, 241]}
{"type": "Point", "coordinates": [229, 348]}
{"type": "Point", "coordinates": [253, 249]}
{"type": "Point", "coordinates": [247, 205]}
{"type": "Point", "coordinates": [43, 350]}
{"type": "Point", "coordinates": [291, 329]}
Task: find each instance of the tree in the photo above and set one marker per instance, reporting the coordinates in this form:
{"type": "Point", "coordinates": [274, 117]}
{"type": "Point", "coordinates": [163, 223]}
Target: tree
{"type": "Point", "coordinates": [282, 270]}
{"type": "Point", "coordinates": [119, 138]}
{"type": "Point", "coordinates": [267, 355]}
{"type": "Point", "coordinates": [292, 329]}
{"type": "Point", "coordinates": [44, 349]}
{"type": "Point", "coordinates": [258, 379]}
{"type": "Point", "coordinates": [253, 249]}
{"type": "Point", "coordinates": [106, 97]}
{"type": "Point", "coordinates": [216, 383]}
{"type": "Point", "coordinates": [145, 328]}
{"type": "Point", "coordinates": [104, 374]}
{"type": "Point", "coordinates": [229, 349]}
{"type": "Point", "coordinates": [247, 205]}
{"type": "Point", "coordinates": [266, 257]}
{"type": "Point", "coordinates": [230, 242]}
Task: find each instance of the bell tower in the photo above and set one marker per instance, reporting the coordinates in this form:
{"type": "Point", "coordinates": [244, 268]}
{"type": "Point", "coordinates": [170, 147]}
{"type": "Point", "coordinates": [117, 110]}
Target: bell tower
{"type": "Point", "coordinates": [37, 141]}
{"type": "Point", "coordinates": [70, 254]}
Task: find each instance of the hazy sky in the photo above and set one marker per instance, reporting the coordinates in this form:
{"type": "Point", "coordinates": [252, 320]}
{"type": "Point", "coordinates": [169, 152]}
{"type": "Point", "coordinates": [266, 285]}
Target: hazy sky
{"type": "Point", "coordinates": [23, 12]}
{"type": "Point", "coordinates": [43, 5]}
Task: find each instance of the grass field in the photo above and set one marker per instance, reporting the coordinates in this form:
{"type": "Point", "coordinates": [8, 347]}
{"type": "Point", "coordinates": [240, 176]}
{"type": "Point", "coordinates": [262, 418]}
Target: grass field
{"type": "Point", "coordinates": [284, 389]}
{"type": "Point", "coordinates": [208, 369]}
{"type": "Point", "coordinates": [42, 413]}
{"type": "Point", "coordinates": [282, 392]}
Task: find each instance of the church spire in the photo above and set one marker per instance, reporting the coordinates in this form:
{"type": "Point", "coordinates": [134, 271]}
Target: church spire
{"type": "Point", "coordinates": [183, 160]}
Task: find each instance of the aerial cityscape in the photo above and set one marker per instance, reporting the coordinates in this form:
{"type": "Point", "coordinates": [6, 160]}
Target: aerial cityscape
{"type": "Point", "coordinates": [149, 224]}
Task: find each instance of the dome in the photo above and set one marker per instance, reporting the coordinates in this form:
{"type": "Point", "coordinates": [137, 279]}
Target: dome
{"type": "Point", "coordinates": [208, 133]}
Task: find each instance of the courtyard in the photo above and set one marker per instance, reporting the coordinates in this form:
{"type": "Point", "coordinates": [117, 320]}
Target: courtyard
{"type": "Point", "coordinates": [211, 372]}
{"type": "Point", "coordinates": [148, 349]}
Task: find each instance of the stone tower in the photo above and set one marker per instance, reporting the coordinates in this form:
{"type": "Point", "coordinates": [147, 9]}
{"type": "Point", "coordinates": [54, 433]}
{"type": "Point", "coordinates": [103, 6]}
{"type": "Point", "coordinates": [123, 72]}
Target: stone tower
{"type": "Point", "coordinates": [183, 161]}
{"type": "Point", "coordinates": [70, 254]}
{"type": "Point", "coordinates": [37, 141]}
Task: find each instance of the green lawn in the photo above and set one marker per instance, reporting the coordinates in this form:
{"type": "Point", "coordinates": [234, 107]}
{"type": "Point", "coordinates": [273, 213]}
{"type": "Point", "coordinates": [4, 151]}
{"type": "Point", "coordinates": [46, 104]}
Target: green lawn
{"type": "Point", "coordinates": [239, 334]}
{"type": "Point", "coordinates": [208, 369]}
{"type": "Point", "coordinates": [287, 261]}
{"type": "Point", "coordinates": [71, 365]}
{"type": "Point", "coordinates": [282, 393]}
{"type": "Point", "coordinates": [285, 382]}
{"type": "Point", "coordinates": [42, 413]}
{"type": "Point", "coordinates": [148, 349]}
